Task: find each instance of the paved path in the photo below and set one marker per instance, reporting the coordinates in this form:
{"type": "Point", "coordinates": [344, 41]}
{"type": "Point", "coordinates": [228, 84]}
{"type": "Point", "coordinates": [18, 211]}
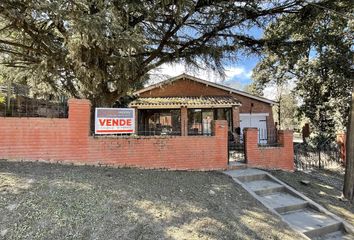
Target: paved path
{"type": "Point", "coordinates": [301, 213]}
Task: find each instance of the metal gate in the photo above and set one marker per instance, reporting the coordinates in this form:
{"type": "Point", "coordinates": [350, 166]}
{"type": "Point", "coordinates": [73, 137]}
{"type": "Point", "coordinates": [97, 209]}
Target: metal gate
{"type": "Point", "coordinates": [236, 148]}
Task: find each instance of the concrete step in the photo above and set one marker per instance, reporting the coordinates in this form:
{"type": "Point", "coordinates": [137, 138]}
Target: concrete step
{"type": "Point", "coordinates": [244, 172]}
{"type": "Point", "coordinates": [291, 208]}
{"type": "Point", "coordinates": [325, 230]}
{"type": "Point", "coordinates": [234, 165]}
{"type": "Point", "coordinates": [250, 178]}
{"type": "Point", "coordinates": [338, 235]}
{"type": "Point", "coordinates": [283, 200]}
{"type": "Point", "coordinates": [300, 212]}
{"type": "Point", "coordinates": [311, 222]}
{"type": "Point", "coordinates": [264, 187]}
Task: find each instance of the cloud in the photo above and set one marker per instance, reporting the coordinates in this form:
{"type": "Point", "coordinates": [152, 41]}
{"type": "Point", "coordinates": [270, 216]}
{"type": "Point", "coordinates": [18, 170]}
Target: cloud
{"type": "Point", "coordinates": [233, 73]}
{"type": "Point", "coordinates": [270, 92]}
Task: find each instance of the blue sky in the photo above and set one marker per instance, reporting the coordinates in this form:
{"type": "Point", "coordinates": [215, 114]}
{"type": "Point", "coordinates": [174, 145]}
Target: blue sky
{"type": "Point", "coordinates": [245, 62]}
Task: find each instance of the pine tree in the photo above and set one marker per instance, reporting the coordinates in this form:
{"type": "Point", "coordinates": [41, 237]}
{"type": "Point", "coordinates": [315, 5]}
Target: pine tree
{"type": "Point", "coordinates": [321, 68]}
{"type": "Point", "coordinates": [102, 49]}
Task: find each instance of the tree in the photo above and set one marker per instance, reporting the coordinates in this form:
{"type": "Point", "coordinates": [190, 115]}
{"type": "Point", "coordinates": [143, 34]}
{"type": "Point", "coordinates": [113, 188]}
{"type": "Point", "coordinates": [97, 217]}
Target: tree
{"type": "Point", "coordinates": [287, 112]}
{"type": "Point", "coordinates": [322, 69]}
{"type": "Point", "coordinates": [348, 189]}
{"type": "Point", "coordinates": [102, 49]}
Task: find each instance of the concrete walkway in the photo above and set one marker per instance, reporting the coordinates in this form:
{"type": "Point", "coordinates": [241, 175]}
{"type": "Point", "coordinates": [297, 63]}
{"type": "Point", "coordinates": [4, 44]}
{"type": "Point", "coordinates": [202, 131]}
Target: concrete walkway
{"type": "Point", "coordinates": [299, 212]}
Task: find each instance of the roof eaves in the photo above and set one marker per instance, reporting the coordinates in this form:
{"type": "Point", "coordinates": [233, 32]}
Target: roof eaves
{"type": "Point", "coordinates": [184, 75]}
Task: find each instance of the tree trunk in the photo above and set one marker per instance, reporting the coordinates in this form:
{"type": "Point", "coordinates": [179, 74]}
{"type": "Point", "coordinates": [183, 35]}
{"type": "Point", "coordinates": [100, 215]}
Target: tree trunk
{"type": "Point", "coordinates": [348, 189]}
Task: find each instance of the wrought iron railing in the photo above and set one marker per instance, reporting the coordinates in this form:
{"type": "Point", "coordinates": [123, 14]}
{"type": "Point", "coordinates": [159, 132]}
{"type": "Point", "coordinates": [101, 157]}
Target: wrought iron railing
{"type": "Point", "coordinates": [195, 129]}
{"type": "Point", "coordinates": [29, 107]}
{"type": "Point", "coordinates": [320, 155]}
{"type": "Point", "coordinates": [268, 137]}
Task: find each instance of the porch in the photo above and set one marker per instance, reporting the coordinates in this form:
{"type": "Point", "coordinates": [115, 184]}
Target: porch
{"type": "Point", "coordinates": [184, 116]}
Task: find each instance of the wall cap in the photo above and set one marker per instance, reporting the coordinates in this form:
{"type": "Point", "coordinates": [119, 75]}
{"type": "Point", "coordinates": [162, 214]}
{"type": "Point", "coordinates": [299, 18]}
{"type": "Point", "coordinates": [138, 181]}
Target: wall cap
{"type": "Point", "coordinates": [250, 129]}
{"type": "Point", "coordinates": [79, 101]}
{"type": "Point", "coordinates": [285, 131]}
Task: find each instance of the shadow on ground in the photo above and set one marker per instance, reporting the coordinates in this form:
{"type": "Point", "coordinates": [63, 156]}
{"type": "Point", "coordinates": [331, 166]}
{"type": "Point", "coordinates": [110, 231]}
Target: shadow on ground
{"type": "Point", "coordinates": [50, 201]}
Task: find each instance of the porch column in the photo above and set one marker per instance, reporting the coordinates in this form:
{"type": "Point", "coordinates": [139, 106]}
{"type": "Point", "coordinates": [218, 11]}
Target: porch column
{"type": "Point", "coordinates": [184, 121]}
{"type": "Point", "coordinates": [136, 121]}
{"type": "Point", "coordinates": [235, 117]}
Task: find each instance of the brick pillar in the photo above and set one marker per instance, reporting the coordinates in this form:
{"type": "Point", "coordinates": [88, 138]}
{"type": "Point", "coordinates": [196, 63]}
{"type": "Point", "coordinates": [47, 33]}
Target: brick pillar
{"type": "Point", "coordinates": [285, 139]}
{"type": "Point", "coordinates": [184, 121]}
{"type": "Point", "coordinates": [251, 145]}
{"type": "Point", "coordinates": [79, 116]}
{"type": "Point", "coordinates": [270, 121]}
{"type": "Point", "coordinates": [235, 117]}
{"type": "Point", "coordinates": [341, 141]}
{"type": "Point", "coordinates": [220, 132]}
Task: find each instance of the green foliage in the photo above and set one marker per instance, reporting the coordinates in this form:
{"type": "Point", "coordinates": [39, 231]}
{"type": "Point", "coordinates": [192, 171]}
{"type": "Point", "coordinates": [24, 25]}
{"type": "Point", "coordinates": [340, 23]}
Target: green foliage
{"type": "Point", "coordinates": [288, 111]}
{"type": "Point", "coordinates": [254, 89]}
{"type": "Point", "coordinates": [320, 67]}
{"type": "Point", "coordinates": [103, 49]}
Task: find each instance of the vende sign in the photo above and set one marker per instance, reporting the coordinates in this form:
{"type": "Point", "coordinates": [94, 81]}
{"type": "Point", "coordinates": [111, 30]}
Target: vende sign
{"type": "Point", "coordinates": [114, 120]}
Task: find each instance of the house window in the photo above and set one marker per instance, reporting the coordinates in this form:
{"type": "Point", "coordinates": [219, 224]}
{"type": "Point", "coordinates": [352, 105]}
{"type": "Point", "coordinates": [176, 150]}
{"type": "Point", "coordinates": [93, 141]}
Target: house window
{"type": "Point", "coordinates": [199, 120]}
{"type": "Point", "coordinates": [224, 114]}
{"type": "Point", "coordinates": [159, 122]}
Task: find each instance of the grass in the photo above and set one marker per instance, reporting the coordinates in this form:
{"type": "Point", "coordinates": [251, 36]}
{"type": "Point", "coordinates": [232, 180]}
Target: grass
{"type": "Point", "coordinates": [325, 188]}
{"type": "Point", "coordinates": [51, 201]}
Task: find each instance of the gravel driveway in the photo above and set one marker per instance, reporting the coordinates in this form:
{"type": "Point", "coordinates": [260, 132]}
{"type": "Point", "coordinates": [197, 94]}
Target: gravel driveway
{"type": "Point", "coordinates": [51, 201]}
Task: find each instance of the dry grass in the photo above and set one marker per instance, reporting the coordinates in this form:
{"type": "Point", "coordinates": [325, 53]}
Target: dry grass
{"type": "Point", "coordinates": [49, 201]}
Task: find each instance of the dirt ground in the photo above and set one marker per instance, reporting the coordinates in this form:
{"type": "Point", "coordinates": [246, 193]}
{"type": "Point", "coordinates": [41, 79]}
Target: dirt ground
{"type": "Point", "coordinates": [51, 201]}
{"type": "Point", "coordinates": [325, 188]}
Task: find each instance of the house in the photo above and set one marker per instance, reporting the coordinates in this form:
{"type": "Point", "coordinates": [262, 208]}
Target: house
{"type": "Point", "coordinates": [186, 105]}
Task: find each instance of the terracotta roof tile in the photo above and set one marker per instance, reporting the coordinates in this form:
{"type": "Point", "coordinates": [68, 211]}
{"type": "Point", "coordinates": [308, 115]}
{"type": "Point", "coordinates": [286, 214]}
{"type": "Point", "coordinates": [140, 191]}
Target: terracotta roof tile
{"type": "Point", "coordinates": [185, 101]}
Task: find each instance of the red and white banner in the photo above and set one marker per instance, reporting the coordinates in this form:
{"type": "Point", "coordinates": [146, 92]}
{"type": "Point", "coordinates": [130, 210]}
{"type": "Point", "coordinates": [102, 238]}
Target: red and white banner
{"type": "Point", "coordinates": [114, 120]}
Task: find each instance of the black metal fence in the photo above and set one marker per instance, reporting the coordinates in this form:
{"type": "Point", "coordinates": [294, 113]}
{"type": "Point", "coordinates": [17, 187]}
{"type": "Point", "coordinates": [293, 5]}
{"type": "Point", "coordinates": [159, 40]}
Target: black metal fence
{"type": "Point", "coordinates": [199, 129]}
{"type": "Point", "coordinates": [308, 156]}
{"type": "Point", "coordinates": [268, 137]}
{"type": "Point", "coordinates": [236, 147]}
{"type": "Point", "coordinates": [29, 107]}
{"type": "Point", "coordinates": [159, 132]}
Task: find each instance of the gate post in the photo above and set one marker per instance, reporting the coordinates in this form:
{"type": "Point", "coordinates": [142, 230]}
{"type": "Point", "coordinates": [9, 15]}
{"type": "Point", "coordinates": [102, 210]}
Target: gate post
{"type": "Point", "coordinates": [251, 143]}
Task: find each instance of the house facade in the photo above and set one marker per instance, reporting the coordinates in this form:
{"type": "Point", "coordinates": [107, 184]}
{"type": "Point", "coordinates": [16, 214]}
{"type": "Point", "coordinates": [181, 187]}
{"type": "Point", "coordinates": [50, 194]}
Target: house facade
{"type": "Point", "coordinates": [186, 105]}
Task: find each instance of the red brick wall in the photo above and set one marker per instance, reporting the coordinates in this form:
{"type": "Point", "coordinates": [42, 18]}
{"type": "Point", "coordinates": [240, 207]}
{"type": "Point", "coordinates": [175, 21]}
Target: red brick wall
{"type": "Point", "coordinates": [281, 157]}
{"type": "Point", "coordinates": [68, 140]}
{"type": "Point", "coordinates": [341, 141]}
{"type": "Point", "coordinates": [186, 87]}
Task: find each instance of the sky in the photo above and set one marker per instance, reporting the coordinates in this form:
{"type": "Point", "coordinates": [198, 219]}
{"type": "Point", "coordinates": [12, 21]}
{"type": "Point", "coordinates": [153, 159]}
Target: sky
{"type": "Point", "coordinates": [238, 75]}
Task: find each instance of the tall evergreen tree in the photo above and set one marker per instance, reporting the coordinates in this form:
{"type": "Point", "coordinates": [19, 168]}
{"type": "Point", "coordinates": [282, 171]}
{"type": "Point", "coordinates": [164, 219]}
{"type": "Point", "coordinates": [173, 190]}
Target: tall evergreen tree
{"type": "Point", "coordinates": [100, 49]}
{"type": "Point", "coordinates": [322, 69]}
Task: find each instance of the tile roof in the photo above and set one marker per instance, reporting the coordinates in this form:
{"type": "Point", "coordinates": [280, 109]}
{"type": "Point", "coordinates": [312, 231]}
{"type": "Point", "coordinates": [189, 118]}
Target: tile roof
{"type": "Point", "coordinates": [217, 85]}
{"type": "Point", "coordinates": [208, 101]}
